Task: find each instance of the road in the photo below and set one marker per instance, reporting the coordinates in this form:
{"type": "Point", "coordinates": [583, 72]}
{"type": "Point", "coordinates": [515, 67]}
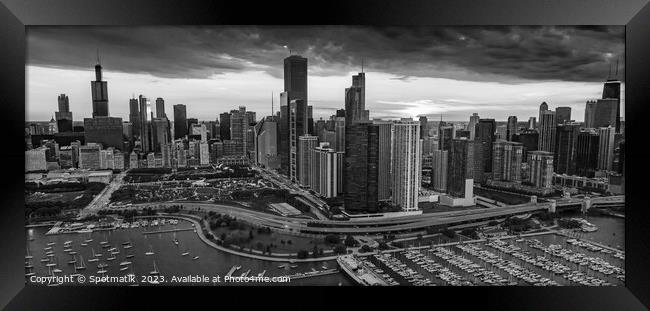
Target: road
{"type": "Point", "coordinates": [103, 198]}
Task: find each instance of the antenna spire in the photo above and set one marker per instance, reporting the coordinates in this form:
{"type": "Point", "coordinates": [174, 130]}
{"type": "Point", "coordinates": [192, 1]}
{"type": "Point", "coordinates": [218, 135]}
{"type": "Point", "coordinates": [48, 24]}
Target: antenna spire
{"type": "Point", "coordinates": [272, 111]}
{"type": "Point", "coordinates": [362, 64]}
{"type": "Point", "coordinates": [98, 61]}
{"type": "Point", "coordinates": [609, 75]}
{"type": "Point", "coordinates": [616, 74]}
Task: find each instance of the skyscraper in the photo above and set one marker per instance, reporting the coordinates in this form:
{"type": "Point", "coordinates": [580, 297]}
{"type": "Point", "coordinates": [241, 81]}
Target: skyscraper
{"type": "Point", "coordinates": [99, 93]}
{"type": "Point", "coordinates": [224, 125]}
{"type": "Point", "coordinates": [529, 138]}
{"type": "Point", "coordinates": [360, 182]}
{"type": "Point", "coordinates": [339, 132]}
{"type": "Point", "coordinates": [306, 142]}
{"type": "Point", "coordinates": [460, 168]}
{"type": "Point", "coordinates": [283, 134]}
{"type": "Point", "coordinates": [590, 113]}
{"type": "Point", "coordinates": [612, 90]}
{"type": "Point", "coordinates": [160, 108]}
{"type": "Point", "coordinates": [506, 161]}
{"type": "Point", "coordinates": [485, 130]}
{"type": "Point", "coordinates": [540, 165]}
{"type": "Point", "coordinates": [542, 108]}
{"type": "Point", "coordinates": [606, 148]}
{"type": "Point", "coordinates": [440, 162]}
{"type": "Point", "coordinates": [511, 128]}
{"type": "Point", "coordinates": [424, 132]}
{"type": "Point", "coordinates": [266, 143]}
{"type": "Point", "coordinates": [325, 171]}
{"type": "Point", "coordinates": [239, 128]}
{"type": "Point", "coordinates": [180, 121]}
{"type": "Point", "coordinates": [145, 131]}
{"type": "Point", "coordinates": [565, 148]}
{"type": "Point", "coordinates": [587, 153]}
{"type": "Point", "coordinates": [547, 131]}
{"type": "Point", "coordinates": [297, 127]}
{"type": "Point", "coordinates": [385, 143]}
{"type": "Point", "coordinates": [64, 115]}
{"type": "Point", "coordinates": [134, 116]}
{"type": "Point", "coordinates": [160, 133]}
{"type": "Point", "coordinates": [532, 123]}
{"type": "Point", "coordinates": [445, 136]}
{"type": "Point", "coordinates": [562, 115]}
{"type": "Point", "coordinates": [471, 126]}
{"type": "Point", "coordinates": [406, 164]}
{"type": "Point", "coordinates": [605, 113]}
{"type": "Point", "coordinates": [295, 78]}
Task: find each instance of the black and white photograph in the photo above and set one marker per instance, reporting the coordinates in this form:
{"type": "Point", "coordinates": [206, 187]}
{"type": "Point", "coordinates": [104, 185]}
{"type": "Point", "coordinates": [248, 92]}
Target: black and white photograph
{"type": "Point", "coordinates": [324, 155]}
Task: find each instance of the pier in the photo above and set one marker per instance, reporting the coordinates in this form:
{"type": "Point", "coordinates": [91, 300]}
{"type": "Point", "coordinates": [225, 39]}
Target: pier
{"type": "Point", "coordinates": [313, 274]}
{"type": "Point", "coordinates": [168, 230]}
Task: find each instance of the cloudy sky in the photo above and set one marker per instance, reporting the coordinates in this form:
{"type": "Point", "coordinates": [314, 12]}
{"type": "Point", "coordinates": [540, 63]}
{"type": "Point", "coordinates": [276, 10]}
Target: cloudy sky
{"type": "Point", "coordinates": [410, 71]}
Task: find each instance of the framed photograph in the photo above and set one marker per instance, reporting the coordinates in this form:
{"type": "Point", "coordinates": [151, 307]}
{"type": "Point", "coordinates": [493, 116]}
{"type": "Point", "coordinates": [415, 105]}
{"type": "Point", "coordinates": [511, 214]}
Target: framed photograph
{"type": "Point", "coordinates": [449, 147]}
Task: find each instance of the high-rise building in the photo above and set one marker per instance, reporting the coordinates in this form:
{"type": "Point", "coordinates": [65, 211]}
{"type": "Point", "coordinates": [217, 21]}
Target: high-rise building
{"type": "Point", "coordinates": [104, 130]}
{"type": "Point", "coordinates": [326, 172]}
{"type": "Point", "coordinates": [385, 143]}
{"type": "Point", "coordinates": [283, 134]}
{"type": "Point", "coordinates": [460, 168]}
{"type": "Point", "coordinates": [532, 123]}
{"type": "Point", "coordinates": [360, 181]}
{"type": "Point", "coordinates": [606, 148]}
{"type": "Point", "coordinates": [587, 153]}
{"type": "Point", "coordinates": [562, 115]}
{"type": "Point", "coordinates": [565, 148]}
{"type": "Point", "coordinates": [424, 128]}
{"type": "Point", "coordinates": [440, 162]}
{"type": "Point", "coordinates": [529, 138]}
{"type": "Point", "coordinates": [406, 164]}
{"type": "Point", "coordinates": [239, 128]}
{"type": "Point", "coordinates": [118, 160]}
{"type": "Point", "coordinates": [224, 126]}
{"type": "Point", "coordinates": [204, 153]}
{"type": "Point", "coordinates": [134, 116]}
{"type": "Point", "coordinates": [160, 108]}
{"type": "Point", "coordinates": [295, 79]}
{"type": "Point", "coordinates": [99, 93]}
{"type": "Point", "coordinates": [339, 131]}
{"type": "Point", "coordinates": [266, 143]}
{"type": "Point", "coordinates": [471, 126]}
{"type": "Point", "coordinates": [355, 100]}
{"type": "Point", "coordinates": [501, 132]}
{"type": "Point", "coordinates": [612, 90]}
{"type": "Point", "coordinates": [542, 108]}
{"type": "Point", "coordinates": [145, 128]}
{"type": "Point", "coordinates": [485, 130]}
{"type": "Point", "coordinates": [512, 128]}
{"type": "Point", "coordinates": [35, 159]}
{"type": "Point", "coordinates": [305, 159]}
{"type": "Point", "coordinates": [297, 127]}
{"type": "Point", "coordinates": [540, 164]}
{"type": "Point", "coordinates": [605, 113]}
{"type": "Point", "coordinates": [590, 113]}
{"type": "Point", "coordinates": [89, 157]}
{"type": "Point", "coordinates": [133, 160]}
{"type": "Point", "coordinates": [445, 137]}
{"type": "Point", "coordinates": [167, 157]}
{"type": "Point", "coordinates": [547, 129]}
{"type": "Point", "coordinates": [160, 133]}
{"type": "Point", "coordinates": [64, 115]}
{"type": "Point", "coordinates": [180, 121]}
{"type": "Point", "coordinates": [506, 161]}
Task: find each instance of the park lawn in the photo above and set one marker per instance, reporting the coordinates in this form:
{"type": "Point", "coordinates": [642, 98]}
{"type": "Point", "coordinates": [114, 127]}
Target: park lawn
{"type": "Point", "coordinates": [276, 238]}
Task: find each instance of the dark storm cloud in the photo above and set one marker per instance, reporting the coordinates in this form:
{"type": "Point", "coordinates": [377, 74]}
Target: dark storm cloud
{"type": "Point", "coordinates": [466, 53]}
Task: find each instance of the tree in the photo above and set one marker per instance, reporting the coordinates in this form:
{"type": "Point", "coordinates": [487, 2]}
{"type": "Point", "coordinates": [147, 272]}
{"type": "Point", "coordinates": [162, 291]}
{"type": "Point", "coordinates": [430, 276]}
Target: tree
{"type": "Point", "coordinates": [383, 246]}
{"type": "Point", "coordinates": [340, 249]}
{"type": "Point", "coordinates": [349, 241]}
{"type": "Point", "coordinates": [365, 248]}
{"type": "Point", "coordinates": [332, 239]}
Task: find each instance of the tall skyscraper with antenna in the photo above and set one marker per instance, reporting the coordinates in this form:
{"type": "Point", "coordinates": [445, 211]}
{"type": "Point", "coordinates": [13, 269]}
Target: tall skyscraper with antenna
{"type": "Point", "coordinates": [99, 92]}
{"type": "Point", "coordinates": [612, 90]}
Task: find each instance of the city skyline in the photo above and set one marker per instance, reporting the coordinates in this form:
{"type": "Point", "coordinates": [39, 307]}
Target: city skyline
{"type": "Point", "coordinates": [248, 71]}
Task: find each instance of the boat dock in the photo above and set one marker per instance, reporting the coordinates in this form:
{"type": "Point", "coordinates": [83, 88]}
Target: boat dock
{"type": "Point", "coordinates": [168, 230]}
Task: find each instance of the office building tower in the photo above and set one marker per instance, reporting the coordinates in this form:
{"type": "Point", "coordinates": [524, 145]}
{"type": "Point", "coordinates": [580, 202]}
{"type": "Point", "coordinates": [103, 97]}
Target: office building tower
{"type": "Point", "coordinates": [181, 157]}
{"type": "Point", "coordinates": [64, 115]}
{"type": "Point", "coordinates": [266, 133]}
{"type": "Point", "coordinates": [66, 157]}
{"type": "Point", "coordinates": [239, 128]}
{"type": "Point", "coordinates": [606, 148]}
{"type": "Point", "coordinates": [562, 115]}
{"type": "Point", "coordinates": [118, 160]}
{"type": "Point", "coordinates": [310, 120]}
{"type": "Point", "coordinates": [501, 132]}
{"type": "Point", "coordinates": [134, 116]}
{"type": "Point", "coordinates": [360, 178]}
{"type": "Point", "coordinates": [506, 161]}
{"type": "Point", "coordinates": [440, 162]}
{"type": "Point", "coordinates": [355, 100]}
{"type": "Point", "coordinates": [104, 130]}
{"type": "Point", "coordinates": [106, 159]}
{"type": "Point", "coordinates": [406, 164]}
{"type": "Point", "coordinates": [565, 148]}
{"type": "Point", "coordinates": [590, 113]}
{"type": "Point", "coordinates": [605, 113]}
{"type": "Point", "coordinates": [305, 160]}
{"type": "Point", "coordinates": [485, 130]}
{"type": "Point", "coordinates": [145, 128]}
{"type": "Point", "coordinates": [587, 153]}
{"type": "Point", "coordinates": [297, 128]}
{"type": "Point", "coordinates": [547, 129]}
{"type": "Point", "coordinates": [191, 121]}
{"type": "Point", "coordinates": [612, 90]}
{"type": "Point", "coordinates": [99, 93]}
{"type": "Point", "coordinates": [384, 160]}
{"type": "Point", "coordinates": [204, 153]}
{"type": "Point", "coordinates": [540, 166]}
{"type": "Point", "coordinates": [133, 160]}
{"type": "Point", "coordinates": [161, 133]}
{"type": "Point", "coordinates": [529, 138]}
{"type": "Point", "coordinates": [160, 108]}
{"type": "Point", "coordinates": [543, 107]}
{"type": "Point", "coordinates": [283, 134]}
{"type": "Point", "coordinates": [424, 128]}
{"type": "Point", "coordinates": [460, 169]}
{"type": "Point", "coordinates": [199, 132]}
{"type": "Point", "coordinates": [320, 128]}
{"type": "Point", "coordinates": [471, 126]}
{"type": "Point", "coordinates": [180, 121]}
{"type": "Point", "coordinates": [340, 113]}
{"type": "Point", "coordinates": [512, 127]}
{"type": "Point", "coordinates": [445, 137]}
{"type": "Point", "coordinates": [325, 175]}
{"type": "Point", "coordinates": [127, 130]}
{"type": "Point", "coordinates": [224, 126]}
{"type": "Point", "coordinates": [295, 79]}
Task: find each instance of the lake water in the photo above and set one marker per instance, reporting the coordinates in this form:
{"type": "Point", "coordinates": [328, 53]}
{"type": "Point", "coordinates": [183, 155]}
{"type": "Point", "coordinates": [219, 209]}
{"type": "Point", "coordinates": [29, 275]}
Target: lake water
{"type": "Point", "coordinates": [168, 259]}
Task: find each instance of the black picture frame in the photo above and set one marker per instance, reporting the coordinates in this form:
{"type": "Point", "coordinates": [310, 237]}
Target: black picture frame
{"type": "Point", "coordinates": [15, 15]}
